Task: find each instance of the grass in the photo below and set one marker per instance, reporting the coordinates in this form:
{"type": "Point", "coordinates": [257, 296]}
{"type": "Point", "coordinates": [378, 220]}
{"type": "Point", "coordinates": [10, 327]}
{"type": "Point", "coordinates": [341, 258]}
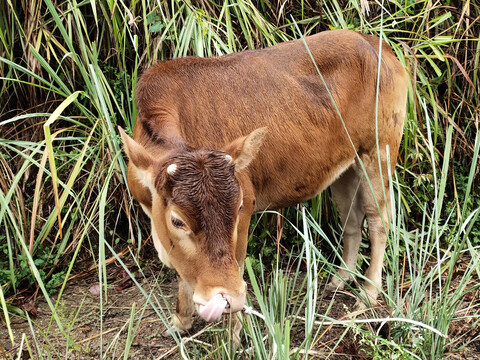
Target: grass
{"type": "Point", "coordinates": [69, 72]}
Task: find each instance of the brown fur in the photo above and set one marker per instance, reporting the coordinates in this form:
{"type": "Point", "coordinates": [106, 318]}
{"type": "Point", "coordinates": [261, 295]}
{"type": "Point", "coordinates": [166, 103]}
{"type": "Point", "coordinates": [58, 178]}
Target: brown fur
{"type": "Point", "coordinates": [193, 111]}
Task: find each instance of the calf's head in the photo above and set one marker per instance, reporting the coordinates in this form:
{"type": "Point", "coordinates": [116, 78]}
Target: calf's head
{"type": "Point", "coordinates": [194, 199]}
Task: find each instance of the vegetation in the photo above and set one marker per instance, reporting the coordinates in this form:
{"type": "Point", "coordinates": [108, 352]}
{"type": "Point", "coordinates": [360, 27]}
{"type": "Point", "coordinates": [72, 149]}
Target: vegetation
{"type": "Point", "coordinates": [69, 71]}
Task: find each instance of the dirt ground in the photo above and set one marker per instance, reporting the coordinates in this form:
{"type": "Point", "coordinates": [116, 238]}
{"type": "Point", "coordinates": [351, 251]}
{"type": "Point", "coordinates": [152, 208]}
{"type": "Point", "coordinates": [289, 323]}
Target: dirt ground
{"type": "Point", "coordinates": [79, 311]}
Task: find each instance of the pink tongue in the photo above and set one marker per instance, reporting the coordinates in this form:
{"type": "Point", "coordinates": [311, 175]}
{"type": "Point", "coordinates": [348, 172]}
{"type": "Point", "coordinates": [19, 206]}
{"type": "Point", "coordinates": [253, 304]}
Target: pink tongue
{"type": "Point", "coordinates": [213, 310]}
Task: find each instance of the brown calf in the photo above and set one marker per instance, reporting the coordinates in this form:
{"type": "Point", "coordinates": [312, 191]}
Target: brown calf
{"type": "Point", "coordinates": [220, 138]}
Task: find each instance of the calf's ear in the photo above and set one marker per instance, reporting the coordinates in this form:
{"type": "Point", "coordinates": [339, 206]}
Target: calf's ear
{"type": "Point", "coordinates": [139, 158]}
{"type": "Point", "coordinates": [244, 149]}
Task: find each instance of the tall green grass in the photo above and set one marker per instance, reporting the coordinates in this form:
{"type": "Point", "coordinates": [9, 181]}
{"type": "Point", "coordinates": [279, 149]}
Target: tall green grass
{"type": "Point", "coordinates": [68, 74]}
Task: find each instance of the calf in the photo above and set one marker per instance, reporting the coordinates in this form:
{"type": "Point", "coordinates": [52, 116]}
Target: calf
{"type": "Point", "coordinates": [218, 139]}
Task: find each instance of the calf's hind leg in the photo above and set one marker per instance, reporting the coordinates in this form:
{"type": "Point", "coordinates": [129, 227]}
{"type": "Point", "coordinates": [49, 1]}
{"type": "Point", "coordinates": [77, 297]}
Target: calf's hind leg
{"type": "Point", "coordinates": [357, 198]}
{"type": "Point", "coordinates": [345, 191]}
{"type": "Point", "coordinates": [375, 198]}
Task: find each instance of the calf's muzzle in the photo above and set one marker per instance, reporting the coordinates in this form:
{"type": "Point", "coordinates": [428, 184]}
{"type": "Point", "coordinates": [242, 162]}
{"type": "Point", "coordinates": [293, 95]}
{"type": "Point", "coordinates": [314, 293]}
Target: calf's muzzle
{"type": "Point", "coordinates": [220, 302]}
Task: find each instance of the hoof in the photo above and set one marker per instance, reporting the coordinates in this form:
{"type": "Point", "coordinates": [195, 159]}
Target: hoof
{"type": "Point", "coordinates": [171, 330]}
{"type": "Point", "coordinates": [359, 305]}
{"type": "Point", "coordinates": [184, 323]}
{"type": "Point", "coordinates": [178, 326]}
{"type": "Point", "coordinates": [333, 286]}
{"type": "Point", "coordinates": [363, 304]}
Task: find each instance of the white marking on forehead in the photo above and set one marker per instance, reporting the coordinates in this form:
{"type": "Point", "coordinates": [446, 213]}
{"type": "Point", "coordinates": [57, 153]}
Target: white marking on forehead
{"type": "Point", "coordinates": [229, 158]}
{"type": "Point", "coordinates": [171, 169]}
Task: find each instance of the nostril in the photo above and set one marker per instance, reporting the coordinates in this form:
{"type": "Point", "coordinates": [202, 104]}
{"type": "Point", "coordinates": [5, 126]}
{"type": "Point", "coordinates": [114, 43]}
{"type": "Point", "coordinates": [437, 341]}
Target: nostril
{"type": "Point", "coordinates": [227, 300]}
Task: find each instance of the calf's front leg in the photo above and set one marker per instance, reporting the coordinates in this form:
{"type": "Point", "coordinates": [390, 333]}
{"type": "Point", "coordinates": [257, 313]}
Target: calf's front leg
{"type": "Point", "coordinates": [183, 317]}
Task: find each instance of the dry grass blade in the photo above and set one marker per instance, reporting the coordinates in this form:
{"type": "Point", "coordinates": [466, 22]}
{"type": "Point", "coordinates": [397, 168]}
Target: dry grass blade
{"type": "Point", "coordinates": [51, 156]}
{"type": "Point", "coordinates": [36, 199]}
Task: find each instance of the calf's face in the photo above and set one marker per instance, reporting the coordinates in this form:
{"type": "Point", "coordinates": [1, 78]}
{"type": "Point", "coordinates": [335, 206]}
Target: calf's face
{"type": "Point", "coordinates": [195, 202]}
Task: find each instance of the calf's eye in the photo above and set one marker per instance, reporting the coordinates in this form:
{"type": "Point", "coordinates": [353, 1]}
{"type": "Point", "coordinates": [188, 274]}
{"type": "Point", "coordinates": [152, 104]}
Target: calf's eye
{"type": "Point", "coordinates": [179, 224]}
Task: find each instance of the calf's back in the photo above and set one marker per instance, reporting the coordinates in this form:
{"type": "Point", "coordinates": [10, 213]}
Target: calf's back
{"type": "Point", "coordinates": [208, 102]}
